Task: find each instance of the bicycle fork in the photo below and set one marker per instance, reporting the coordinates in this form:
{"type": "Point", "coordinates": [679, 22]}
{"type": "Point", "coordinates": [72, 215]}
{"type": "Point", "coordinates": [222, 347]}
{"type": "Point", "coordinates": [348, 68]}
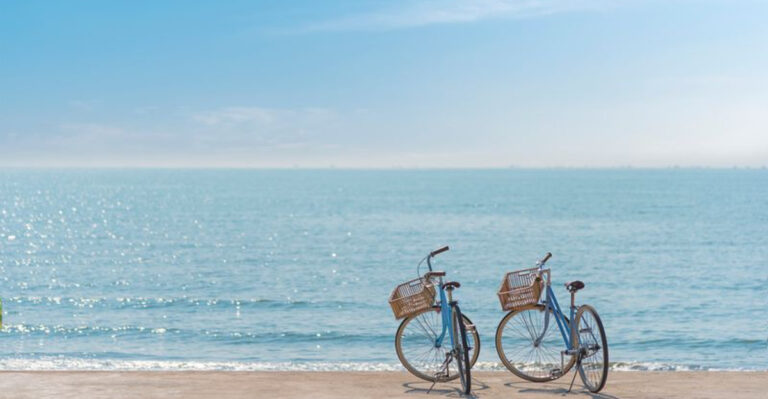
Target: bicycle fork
{"type": "Point", "coordinates": [447, 309]}
{"type": "Point", "coordinates": [446, 312]}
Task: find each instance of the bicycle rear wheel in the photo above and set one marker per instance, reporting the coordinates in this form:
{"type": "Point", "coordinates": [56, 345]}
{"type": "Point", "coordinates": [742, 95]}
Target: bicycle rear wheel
{"type": "Point", "coordinates": [591, 336]}
{"type": "Point", "coordinates": [462, 352]}
{"type": "Point", "coordinates": [517, 349]}
{"type": "Point", "coordinates": [415, 345]}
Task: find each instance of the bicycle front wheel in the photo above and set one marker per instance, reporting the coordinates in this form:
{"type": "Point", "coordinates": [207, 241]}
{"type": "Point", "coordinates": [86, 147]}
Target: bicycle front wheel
{"type": "Point", "coordinates": [462, 352]}
{"type": "Point", "coordinates": [591, 339]}
{"type": "Point", "coordinates": [530, 360]}
{"type": "Point", "coordinates": [416, 349]}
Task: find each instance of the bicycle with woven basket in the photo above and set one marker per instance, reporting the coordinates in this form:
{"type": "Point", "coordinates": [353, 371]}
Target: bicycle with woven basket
{"type": "Point", "coordinates": [527, 341]}
{"type": "Point", "coordinates": [420, 341]}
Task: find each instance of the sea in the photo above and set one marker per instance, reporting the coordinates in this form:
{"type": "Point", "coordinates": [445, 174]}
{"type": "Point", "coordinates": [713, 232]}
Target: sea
{"type": "Point", "coordinates": [197, 269]}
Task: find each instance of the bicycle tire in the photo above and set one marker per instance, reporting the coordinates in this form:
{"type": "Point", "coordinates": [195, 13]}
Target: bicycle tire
{"type": "Point", "coordinates": [462, 353]}
{"type": "Point", "coordinates": [517, 364]}
{"type": "Point", "coordinates": [597, 374]}
{"type": "Point", "coordinates": [419, 370]}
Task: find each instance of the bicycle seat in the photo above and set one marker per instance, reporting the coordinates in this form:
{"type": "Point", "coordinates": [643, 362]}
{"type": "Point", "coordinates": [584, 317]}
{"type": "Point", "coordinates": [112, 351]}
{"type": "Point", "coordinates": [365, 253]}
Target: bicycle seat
{"type": "Point", "coordinates": [574, 286]}
{"type": "Point", "coordinates": [451, 285]}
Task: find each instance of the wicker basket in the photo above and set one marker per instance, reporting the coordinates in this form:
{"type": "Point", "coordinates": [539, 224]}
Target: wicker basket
{"type": "Point", "coordinates": [412, 297]}
{"type": "Point", "coordinates": [520, 288]}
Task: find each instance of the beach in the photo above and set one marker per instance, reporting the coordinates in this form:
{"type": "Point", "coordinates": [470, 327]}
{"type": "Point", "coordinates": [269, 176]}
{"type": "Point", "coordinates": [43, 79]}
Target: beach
{"type": "Point", "coordinates": [318, 385]}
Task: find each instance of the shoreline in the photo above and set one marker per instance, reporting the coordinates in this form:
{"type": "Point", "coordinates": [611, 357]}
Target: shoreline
{"type": "Point", "coordinates": [368, 384]}
{"type": "Point", "coordinates": [50, 363]}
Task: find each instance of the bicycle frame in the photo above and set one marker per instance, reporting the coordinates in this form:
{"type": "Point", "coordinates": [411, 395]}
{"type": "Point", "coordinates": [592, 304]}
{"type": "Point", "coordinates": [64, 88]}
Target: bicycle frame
{"type": "Point", "coordinates": [565, 326]}
{"type": "Point", "coordinates": [445, 311]}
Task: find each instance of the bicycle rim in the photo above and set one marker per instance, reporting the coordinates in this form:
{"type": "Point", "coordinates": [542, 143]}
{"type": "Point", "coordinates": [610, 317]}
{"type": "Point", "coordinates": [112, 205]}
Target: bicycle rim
{"type": "Point", "coordinates": [462, 354]}
{"type": "Point", "coordinates": [515, 338]}
{"type": "Point", "coordinates": [414, 344]}
{"type": "Point", "coordinates": [591, 335]}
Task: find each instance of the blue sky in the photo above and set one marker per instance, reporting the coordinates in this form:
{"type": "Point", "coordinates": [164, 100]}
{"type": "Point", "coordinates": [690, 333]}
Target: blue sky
{"type": "Point", "coordinates": [380, 84]}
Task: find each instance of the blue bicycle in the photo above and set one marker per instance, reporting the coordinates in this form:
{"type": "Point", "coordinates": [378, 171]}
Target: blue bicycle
{"type": "Point", "coordinates": [435, 341]}
{"type": "Point", "coordinates": [528, 342]}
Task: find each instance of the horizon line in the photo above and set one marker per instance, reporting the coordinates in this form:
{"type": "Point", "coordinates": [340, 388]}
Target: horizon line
{"type": "Point", "coordinates": [392, 168]}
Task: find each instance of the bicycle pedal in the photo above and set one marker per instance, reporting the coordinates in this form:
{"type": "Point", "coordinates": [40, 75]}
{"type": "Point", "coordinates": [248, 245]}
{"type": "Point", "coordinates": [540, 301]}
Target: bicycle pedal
{"type": "Point", "coordinates": [556, 373]}
{"type": "Point", "coordinates": [441, 375]}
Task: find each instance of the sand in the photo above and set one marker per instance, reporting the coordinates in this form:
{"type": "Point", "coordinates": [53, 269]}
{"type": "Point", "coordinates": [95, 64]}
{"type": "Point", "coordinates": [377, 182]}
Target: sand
{"type": "Point", "coordinates": [318, 385]}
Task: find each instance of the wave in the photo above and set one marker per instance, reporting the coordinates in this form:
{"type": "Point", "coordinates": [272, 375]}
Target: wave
{"type": "Point", "coordinates": [629, 366]}
{"type": "Point", "coordinates": [59, 363]}
{"type": "Point", "coordinates": [225, 336]}
{"type": "Point", "coordinates": [69, 363]}
{"type": "Point", "coordinates": [69, 331]}
{"type": "Point", "coordinates": [138, 302]}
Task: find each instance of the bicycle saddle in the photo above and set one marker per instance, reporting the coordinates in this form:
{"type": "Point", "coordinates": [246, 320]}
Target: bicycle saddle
{"type": "Point", "coordinates": [451, 284]}
{"type": "Point", "coordinates": [574, 286]}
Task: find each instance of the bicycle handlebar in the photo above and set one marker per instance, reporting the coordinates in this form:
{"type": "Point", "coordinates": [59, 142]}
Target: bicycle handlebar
{"type": "Point", "coordinates": [438, 251]}
{"type": "Point", "coordinates": [545, 259]}
{"type": "Point", "coordinates": [431, 255]}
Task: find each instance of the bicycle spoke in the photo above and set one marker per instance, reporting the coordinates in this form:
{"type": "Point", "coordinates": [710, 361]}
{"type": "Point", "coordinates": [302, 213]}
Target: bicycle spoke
{"type": "Point", "coordinates": [516, 340]}
{"type": "Point", "coordinates": [415, 343]}
{"type": "Point", "coordinates": [426, 329]}
{"type": "Point", "coordinates": [593, 344]}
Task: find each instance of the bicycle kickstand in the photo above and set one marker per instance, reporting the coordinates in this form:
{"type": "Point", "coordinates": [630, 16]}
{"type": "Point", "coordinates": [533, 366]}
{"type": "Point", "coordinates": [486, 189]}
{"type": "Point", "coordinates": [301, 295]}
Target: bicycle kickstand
{"type": "Point", "coordinates": [578, 365]}
{"type": "Point", "coordinates": [444, 367]}
{"type": "Point", "coordinates": [431, 386]}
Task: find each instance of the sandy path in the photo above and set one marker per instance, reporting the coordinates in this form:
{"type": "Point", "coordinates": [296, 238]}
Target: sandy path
{"type": "Point", "coordinates": [318, 385]}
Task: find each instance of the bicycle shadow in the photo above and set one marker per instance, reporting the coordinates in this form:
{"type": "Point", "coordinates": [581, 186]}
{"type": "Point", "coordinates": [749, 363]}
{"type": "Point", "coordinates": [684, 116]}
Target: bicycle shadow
{"type": "Point", "coordinates": [443, 389]}
{"type": "Point", "coordinates": [561, 388]}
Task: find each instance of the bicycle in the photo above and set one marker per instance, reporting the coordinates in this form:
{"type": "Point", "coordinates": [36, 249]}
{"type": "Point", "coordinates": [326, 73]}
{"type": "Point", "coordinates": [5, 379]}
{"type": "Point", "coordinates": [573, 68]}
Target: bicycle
{"type": "Point", "coordinates": [527, 343]}
{"type": "Point", "coordinates": [419, 341]}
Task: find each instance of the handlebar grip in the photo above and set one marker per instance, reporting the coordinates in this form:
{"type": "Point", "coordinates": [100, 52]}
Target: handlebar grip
{"type": "Point", "coordinates": [438, 251]}
{"type": "Point", "coordinates": [546, 258]}
{"type": "Point", "coordinates": [436, 274]}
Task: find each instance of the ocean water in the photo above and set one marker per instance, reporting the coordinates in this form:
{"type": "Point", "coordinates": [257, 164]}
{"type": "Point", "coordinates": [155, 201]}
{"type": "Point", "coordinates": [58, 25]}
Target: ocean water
{"type": "Point", "coordinates": [273, 270]}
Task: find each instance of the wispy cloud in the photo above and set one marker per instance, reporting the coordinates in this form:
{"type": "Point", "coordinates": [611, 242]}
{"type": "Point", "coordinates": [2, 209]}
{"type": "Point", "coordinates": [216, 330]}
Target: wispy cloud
{"type": "Point", "coordinates": [262, 126]}
{"type": "Point", "coordinates": [92, 130]}
{"type": "Point", "coordinates": [238, 115]}
{"type": "Point", "coordinates": [83, 105]}
{"type": "Point", "coordinates": [234, 135]}
{"type": "Point", "coordinates": [427, 12]}
{"type": "Point", "coordinates": [248, 115]}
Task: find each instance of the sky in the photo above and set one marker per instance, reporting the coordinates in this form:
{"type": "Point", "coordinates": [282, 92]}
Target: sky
{"type": "Point", "coordinates": [384, 84]}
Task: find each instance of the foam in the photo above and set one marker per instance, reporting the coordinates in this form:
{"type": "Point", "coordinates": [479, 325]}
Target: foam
{"type": "Point", "coordinates": [67, 363]}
